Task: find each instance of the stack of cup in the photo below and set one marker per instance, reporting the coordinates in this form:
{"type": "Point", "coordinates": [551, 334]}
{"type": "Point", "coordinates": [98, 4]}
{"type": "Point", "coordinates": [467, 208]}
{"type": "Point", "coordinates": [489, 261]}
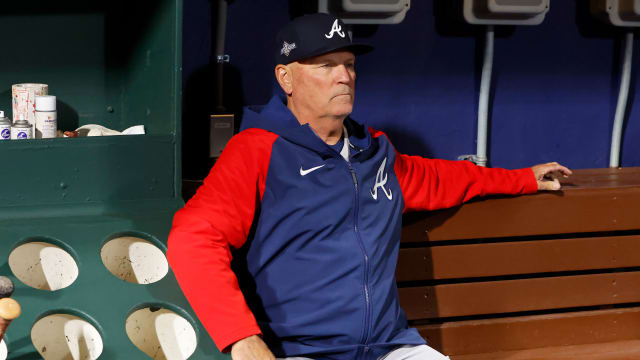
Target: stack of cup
{"type": "Point", "coordinates": [24, 100]}
{"type": "Point", "coordinates": [34, 112]}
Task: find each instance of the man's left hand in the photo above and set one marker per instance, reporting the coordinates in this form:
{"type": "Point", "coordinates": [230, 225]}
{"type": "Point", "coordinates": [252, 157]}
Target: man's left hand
{"type": "Point", "coordinates": [547, 175]}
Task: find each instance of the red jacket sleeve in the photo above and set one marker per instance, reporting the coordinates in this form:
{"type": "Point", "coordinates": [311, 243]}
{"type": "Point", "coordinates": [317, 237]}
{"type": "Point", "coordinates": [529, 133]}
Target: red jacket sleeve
{"type": "Point", "coordinates": [215, 220]}
{"type": "Point", "coordinates": [430, 184]}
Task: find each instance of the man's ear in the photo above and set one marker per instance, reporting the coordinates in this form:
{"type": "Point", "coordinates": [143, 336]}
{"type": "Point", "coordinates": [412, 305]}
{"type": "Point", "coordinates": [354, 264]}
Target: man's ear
{"type": "Point", "coordinates": [284, 77]}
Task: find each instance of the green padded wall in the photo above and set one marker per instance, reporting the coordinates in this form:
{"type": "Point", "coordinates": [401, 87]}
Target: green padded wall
{"type": "Point", "coordinates": [115, 63]}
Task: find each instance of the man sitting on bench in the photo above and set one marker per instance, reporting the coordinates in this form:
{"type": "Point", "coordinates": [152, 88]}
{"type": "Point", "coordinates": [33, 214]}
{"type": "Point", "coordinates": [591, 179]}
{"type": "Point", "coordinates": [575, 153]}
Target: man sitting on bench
{"type": "Point", "coordinates": [315, 199]}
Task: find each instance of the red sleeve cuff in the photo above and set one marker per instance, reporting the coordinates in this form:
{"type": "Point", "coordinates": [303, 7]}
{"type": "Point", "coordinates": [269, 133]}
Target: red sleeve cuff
{"type": "Point", "coordinates": [531, 184]}
{"type": "Point", "coordinates": [224, 342]}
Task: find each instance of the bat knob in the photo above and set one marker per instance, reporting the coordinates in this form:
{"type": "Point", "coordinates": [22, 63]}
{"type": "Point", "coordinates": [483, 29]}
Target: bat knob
{"type": "Point", "coordinates": [6, 287]}
{"type": "Point", "coordinates": [9, 309]}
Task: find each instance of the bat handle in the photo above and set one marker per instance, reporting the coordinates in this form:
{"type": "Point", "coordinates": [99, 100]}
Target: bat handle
{"type": "Point", "coordinates": [9, 310]}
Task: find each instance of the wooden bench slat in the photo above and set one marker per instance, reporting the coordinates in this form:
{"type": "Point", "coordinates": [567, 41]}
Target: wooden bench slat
{"type": "Point", "coordinates": [522, 257]}
{"type": "Point", "coordinates": [618, 350]}
{"type": "Point", "coordinates": [537, 331]}
{"type": "Point", "coordinates": [499, 283]}
{"type": "Point", "coordinates": [603, 178]}
{"type": "Point", "coordinates": [492, 297]}
{"type": "Point", "coordinates": [574, 210]}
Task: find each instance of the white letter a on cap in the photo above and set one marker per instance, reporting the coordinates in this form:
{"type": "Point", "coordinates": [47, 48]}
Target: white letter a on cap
{"type": "Point", "coordinates": [335, 28]}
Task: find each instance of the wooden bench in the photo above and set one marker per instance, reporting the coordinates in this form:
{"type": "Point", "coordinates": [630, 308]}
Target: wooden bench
{"type": "Point", "coordinates": [544, 276]}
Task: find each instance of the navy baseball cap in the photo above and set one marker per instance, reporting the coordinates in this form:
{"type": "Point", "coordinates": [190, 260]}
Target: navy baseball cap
{"type": "Point", "coordinates": [313, 35]}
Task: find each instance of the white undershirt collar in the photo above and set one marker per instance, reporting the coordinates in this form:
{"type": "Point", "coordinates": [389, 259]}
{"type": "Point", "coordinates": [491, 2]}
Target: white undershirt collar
{"type": "Point", "coordinates": [345, 146]}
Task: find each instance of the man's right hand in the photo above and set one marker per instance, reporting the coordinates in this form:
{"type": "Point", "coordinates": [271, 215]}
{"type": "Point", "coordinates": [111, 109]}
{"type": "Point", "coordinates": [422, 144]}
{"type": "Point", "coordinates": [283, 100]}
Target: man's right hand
{"type": "Point", "coordinates": [251, 348]}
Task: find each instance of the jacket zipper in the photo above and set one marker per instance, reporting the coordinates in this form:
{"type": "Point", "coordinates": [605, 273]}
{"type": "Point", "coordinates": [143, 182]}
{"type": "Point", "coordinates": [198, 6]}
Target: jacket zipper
{"type": "Point", "coordinates": [365, 334]}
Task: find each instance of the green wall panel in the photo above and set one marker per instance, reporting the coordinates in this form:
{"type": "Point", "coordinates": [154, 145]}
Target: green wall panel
{"type": "Point", "coordinates": [115, 63]}
{"type": "Point", "coordinates": [46, 171]}
{"type": "Point", "coordinates": [96, 292]}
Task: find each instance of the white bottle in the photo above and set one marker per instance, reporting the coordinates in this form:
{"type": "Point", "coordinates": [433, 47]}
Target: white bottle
{"type": "Point", "coordinates": [21, 129]}
{"type": "Point", "coordinates": [46, 117]}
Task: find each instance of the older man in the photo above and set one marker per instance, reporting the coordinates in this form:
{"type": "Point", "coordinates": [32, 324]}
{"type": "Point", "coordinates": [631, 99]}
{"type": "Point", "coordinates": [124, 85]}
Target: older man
{"type": "Point", "coordinates": [315, 198]}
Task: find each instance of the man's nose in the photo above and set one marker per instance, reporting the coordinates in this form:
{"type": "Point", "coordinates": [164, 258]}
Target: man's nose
{"type": "Point", "coordinates": [344, 75]}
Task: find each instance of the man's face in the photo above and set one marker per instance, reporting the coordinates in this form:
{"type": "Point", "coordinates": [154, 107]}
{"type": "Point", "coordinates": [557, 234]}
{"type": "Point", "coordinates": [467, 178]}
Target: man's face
{"type": "Point", "coordinates": [324, 85]}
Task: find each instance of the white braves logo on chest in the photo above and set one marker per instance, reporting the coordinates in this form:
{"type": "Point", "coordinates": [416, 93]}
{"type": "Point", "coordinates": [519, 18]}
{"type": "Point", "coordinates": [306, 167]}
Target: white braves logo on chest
{"type": "Point", "coordinates": [381, 181]}
{"type": "Point", "coordinates": [335, 28]}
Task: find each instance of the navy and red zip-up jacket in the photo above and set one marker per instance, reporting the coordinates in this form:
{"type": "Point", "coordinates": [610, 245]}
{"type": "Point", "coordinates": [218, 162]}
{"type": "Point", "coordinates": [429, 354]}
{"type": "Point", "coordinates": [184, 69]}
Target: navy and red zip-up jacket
{"type": "Point", "coordinates": [325, 234]}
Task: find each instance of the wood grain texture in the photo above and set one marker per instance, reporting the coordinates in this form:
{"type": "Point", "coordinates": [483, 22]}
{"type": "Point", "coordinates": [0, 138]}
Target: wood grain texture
{"type": "Point", "coordinates": [522, 257]}
{"type": "Point", "coordinates": [506, 296]}
{"type": "Point", "coordinates": [595, 200]}
{"type": "Point", "coordinates": [618, 350]}
{"type": "Point", "coordinates": [599, 202]}
{"type": "Point", "coordinates": [531, 332]}
{"type": "Point", "coordinates": [9, 310]}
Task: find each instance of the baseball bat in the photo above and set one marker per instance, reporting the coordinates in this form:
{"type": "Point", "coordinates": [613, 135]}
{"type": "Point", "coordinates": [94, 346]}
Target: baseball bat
{"type": "Point", "coordinates": [9, 310]}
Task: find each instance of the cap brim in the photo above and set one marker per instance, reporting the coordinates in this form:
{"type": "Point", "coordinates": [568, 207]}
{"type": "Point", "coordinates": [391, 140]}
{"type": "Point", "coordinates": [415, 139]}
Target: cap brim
{"type": "Point", "coordinates": [356, 48]}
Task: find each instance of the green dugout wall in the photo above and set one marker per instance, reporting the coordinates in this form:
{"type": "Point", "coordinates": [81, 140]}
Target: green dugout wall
{"type": "Point", "coordinates": [63, 201]}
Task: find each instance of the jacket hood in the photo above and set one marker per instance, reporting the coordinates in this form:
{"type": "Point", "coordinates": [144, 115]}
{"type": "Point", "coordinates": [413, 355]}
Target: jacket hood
{"type": "Point", "coordinates": [277, 118]}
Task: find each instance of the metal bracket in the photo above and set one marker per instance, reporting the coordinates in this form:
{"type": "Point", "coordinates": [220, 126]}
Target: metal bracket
{"type": "Point", "coordinates": [223, 59]}
{"type": "Point", "coordinates": [474, 159]}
